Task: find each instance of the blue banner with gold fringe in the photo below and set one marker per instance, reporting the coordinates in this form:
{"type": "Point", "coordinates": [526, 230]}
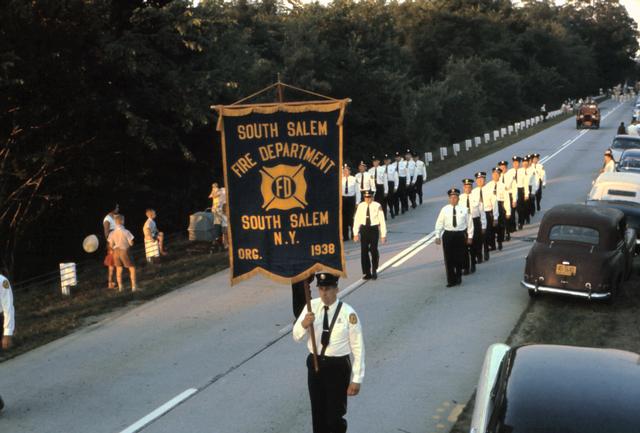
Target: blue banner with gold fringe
{"type": "Point", "coordinates": [282, 167]}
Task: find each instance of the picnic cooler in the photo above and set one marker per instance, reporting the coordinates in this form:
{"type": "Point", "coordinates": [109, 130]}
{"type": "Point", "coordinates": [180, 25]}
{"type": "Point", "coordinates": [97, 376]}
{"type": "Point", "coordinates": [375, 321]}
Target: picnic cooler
{"type": "Point", "coordinates": [201, 226]}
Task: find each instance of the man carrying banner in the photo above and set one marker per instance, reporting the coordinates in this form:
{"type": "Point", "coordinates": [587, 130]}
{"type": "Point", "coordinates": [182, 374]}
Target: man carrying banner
{"type": "Point", "coordinates": [369, 226]}
{"type": "Point", "coordinates": [348, 202]}
{"type": "Point", "coordinates": [339, 332]}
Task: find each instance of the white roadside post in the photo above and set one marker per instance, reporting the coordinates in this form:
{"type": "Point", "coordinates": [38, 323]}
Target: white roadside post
{"type": "Point", "coordinates": [487, 138]}
{"type": "Point", "coordinates": [496, 135]}
{"type": "Point", "coordinates": [443, 153]}
{"type": "Point", "coordinates": [477, 141]}
{"type": "Point", "coordinates": [503, 132]}
{"type": "Point", "coordinates": [527, 123]}
{"type": "Point", "coordinates": [151, 249]}
{"type": "Point", "coordinates": [68, 277]}
{"type": "Point", "coordinates": [468, 144]}
{"type": "Point", "coordinates": [456, 148]}
{"type": "Point", "coordinates": [510, 129]}
{"type": "Point", "coordinates": [516, 127]}
{"type": "Point", "coordinates": [428, 157]}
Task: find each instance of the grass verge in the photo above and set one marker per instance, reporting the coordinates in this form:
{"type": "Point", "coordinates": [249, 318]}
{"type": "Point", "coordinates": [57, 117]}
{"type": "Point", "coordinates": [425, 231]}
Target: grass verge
{"type": "Point", "coordinates": [439, 168]}
{"type": "Point", "coordinates": [576, 322]}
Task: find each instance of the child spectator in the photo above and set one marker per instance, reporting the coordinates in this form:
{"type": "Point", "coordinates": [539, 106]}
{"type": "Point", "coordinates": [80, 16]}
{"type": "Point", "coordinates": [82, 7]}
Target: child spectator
{"type": "Point", "coordinates": [218, 197]}
{"type": "Point", "coordinates": [120, 241]}
{"type": "Point", "coordinates": [109, 225]}
{"type": "Point", "coordinates": [151, 232]}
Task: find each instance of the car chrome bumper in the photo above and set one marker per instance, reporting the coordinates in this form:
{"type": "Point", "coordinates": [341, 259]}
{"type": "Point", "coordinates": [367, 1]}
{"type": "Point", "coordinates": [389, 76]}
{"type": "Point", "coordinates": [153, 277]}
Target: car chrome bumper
{"type": "Point", "coordinates": [545, 289]}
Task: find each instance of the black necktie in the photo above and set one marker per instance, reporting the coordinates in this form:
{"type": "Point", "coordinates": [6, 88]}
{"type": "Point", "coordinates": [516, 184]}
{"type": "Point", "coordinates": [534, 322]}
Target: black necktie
{"type": "Point", "coordinates": [481, 199]}
{"type": "Point", "coordinates": [361, 181]}
{"type": "Point", "coordinates": [325, 328]}
{"type": "Point", "coordinates": [346, 185]}
{"type": "Point", "coordinates": [495, 189]}
{"type": "Point", "coordinates": [368, 223]}
{"type": "Point", "coordinates": [516, 176]}
{"type": "Point", "coordinates": [375, 174]}
{"type": "Point", "coordinates": [455, 220]}
{"type": "Point", "coordinates": [468, 204]}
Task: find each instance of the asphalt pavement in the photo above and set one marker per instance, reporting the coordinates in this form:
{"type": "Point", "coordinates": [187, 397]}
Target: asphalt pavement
{"type": "Point", "coordinates": [213, 358]}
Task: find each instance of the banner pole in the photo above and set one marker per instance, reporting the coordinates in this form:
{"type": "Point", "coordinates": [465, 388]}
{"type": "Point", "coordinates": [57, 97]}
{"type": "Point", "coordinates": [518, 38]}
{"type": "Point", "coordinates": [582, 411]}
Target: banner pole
{"type": "Point", "coordinates": [280, 90]}
{"type": "Point", "coordinates": [312, 332]}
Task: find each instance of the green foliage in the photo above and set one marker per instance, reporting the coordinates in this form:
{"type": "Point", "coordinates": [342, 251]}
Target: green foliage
{"type": "Point", "coordinates": [106, 101]}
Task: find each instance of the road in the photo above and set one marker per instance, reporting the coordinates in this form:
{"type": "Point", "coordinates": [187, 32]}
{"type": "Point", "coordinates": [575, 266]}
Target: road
{"type": "Point", "coordinates": [222, 359]}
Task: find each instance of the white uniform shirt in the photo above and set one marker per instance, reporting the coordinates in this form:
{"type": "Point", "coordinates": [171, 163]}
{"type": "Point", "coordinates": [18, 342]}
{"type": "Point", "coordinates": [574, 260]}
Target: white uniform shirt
{"type": "Point", "coordinates": [364, 182]}
{"type": "Point", "coordinates": [632, 130]}
{"type": "Point", "coordinates": [445, 221]}
{"type": "Point", "coordinates": [497, 188]}
{"type": "Point", "coordinates": [392, 175]}
{"type": "Point", "coordinates": [522, 180]}
{"type": "Point", "coordinates": [541, 175]}
{"type": "Point", "coordinates": [610, 167]}
{"type": "Point", "coordinates": [346, 336]}
{"type": "Point", "coordinates": [120, 238]}
{"type": "Point", "coordinates": [8, 312]}
{"type": "Point", "coordinates": [411, 172]}
{"type": "Point", "coordinates": [402, 168]}
{"type": "Point", "coordinates": [379, 177]}
{"type": "Point", "coordinates": [489, 201]}
{"type": "Point", "coordinates": [350, 190]}
{"type": "Point", "coordinates": [376, 216]}
{"type": "Point", "coordinates": [531, 176]}
{"type": "Point", "coordinates": [509, 180]}
{"type": "Point", "coordinates": [476, 208]}
{"type": "Point", "coordinates": [421, 170]}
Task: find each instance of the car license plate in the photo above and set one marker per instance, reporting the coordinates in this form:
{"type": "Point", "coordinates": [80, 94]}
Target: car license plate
{"type": "Point", "coordinates": [565, 270]}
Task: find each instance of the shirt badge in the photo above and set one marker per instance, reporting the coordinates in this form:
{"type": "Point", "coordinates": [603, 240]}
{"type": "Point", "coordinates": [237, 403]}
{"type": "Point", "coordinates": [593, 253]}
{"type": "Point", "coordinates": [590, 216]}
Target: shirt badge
{"type": "Point", "coordinates": [353, 319]}
{"type": "Point", "coordinates": [5, 284]}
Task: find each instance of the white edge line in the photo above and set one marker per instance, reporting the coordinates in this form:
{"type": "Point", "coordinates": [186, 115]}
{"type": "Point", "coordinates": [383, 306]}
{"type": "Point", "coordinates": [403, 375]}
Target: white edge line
{"type": "Point", "coordinates": [142, 422]}
{"type": "Point", "coordinates": [411, 255]}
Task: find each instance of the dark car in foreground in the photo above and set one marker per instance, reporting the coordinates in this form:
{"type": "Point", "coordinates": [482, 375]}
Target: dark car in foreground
{"type": "Point", "coordinates": [580, 250]}
{"type": "Point", "coordinates": [619, 190]}
{"type": "Point", "coordinates": [541, 388]}
{"type": "Point", "coordinates": [629, 161]}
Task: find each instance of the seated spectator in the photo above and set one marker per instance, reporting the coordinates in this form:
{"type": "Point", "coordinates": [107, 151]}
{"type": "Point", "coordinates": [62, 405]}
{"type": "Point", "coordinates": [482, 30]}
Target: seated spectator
{"type": "Point", "coordinates": [120, 241]}
{"type": "Point", "coordinates": [151, 232]}
{"type": "Point", "coordinates": [622, 130]}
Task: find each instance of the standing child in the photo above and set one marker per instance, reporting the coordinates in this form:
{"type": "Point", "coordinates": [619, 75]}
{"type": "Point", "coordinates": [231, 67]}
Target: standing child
{"type": "Point", "coordinates": [120, 241]}
{"type": "Point", "coordinates": [8, 314]}
{"type": "Point", "coordinates": [109, 225]}
{"type": "Point", "coordinates": [151, 232]}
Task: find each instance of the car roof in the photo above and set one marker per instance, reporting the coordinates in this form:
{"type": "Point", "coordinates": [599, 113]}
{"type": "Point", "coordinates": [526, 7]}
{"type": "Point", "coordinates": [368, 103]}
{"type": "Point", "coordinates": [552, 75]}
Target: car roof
{"type": "Point", "coordinates": [627, 137]}
{"type": "Point", "coordinates": [603, 219]}
{"type": "Point", "coordinates": [631, 152]}
{"type": "Point", "coordinates": [567, 389]}
{"type": "Point", "coordinates": [618, 177]}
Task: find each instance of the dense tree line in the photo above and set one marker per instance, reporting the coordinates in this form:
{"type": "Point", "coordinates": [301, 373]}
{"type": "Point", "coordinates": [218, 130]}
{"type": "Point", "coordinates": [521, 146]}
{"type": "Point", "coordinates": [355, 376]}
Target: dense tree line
{"type": "Point", "coordinates": [105, 101]}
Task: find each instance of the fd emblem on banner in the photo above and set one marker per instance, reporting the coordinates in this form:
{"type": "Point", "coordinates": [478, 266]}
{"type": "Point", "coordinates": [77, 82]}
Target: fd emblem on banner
{"type": "Point", "coordinates": [282, 173]}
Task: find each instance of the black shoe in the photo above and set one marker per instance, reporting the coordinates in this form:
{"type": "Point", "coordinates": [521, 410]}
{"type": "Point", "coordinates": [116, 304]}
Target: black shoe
{"type": "Point", "coordinates": [451, 284]}
{"type": "Point", "coordinates": [366, 277]}
{"type": "Point", "coordinates": [519, 226]}
{"type": "Point", "coordinates": [486, 256]}
{"type": "Point", "coordinates": [479, 260]}
{"type": "Point", "coordinates": [465, 272]}
{"type": "Point", "coordinates": [538, 208]}
{"type": "Point", "coordinates": [473, 269]}
{"type": "Point", "coordinates": [508, 238]}
{"type": "Point", "coordinates": [1, 404]}
{"type": "Point", "coordinates": [374, 276]}
{"type": "Point", "coordinates": [500, 247]}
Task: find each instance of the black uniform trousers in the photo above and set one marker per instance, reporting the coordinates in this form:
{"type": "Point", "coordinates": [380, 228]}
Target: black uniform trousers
{"type": "Point", "coordinates": [402, 194]}
{"type": "Point", "coordinates": [348, 210]}
{"type": "Point", "coordinates": [511, 222]}
{"type": "Point", "coordinates": [328, 393]}
{"type": "Point", "coordinates": [478, 241]}
{"type": "Point", "coordinates": [369, 255]}
{"type": "Point", "coordinates": [538, 196]}
{"type": "Point", "coordinates": [532, 203]}
{"type": "Point", "coordinates": [391, 199]}
{"type": "Point", "coordinates": [454, 249]}
{"type": "Point", "coordinates": [411, 193]}
{"type": "Point", "coordinates": [522, 207]}
{"type": "Point", "coordinates": [502, 224]}
{"type": "Point", "coordinates": [418, 187]}
{"type": "Point", "coordinates": [380, 198]}
{"type": "Point", "coordinates": [489, 235]}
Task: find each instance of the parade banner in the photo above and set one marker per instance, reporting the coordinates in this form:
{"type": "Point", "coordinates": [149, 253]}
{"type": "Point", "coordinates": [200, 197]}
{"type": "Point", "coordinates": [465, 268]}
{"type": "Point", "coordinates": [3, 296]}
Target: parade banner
{"type": "Point", "coordinates": [282, 168]}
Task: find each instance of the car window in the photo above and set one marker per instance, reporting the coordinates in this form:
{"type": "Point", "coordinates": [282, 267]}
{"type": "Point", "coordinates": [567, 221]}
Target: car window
{"type": "Point", "coordinates": [570, 233]}
{"type": "Point", "coordinates": [625, 143]}
{"type": "Point", "coordinates": [630, 163]}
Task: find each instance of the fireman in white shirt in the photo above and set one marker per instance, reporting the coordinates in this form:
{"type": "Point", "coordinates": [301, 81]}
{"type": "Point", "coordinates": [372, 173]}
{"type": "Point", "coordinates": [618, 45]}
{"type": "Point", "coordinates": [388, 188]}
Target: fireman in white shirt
{"type": "Point", "coordinates": [404, 182]}
{"type": "Point", "coordinates": [541, 178]}
{"type": "Point", "coordinates": [529, 184]}
{"type": "Point", "coordinates": [511, 195]}
{"type": "Point", "coordinates": [341, 366]}
{"type": "Point", "coordinates": [368, 227]}
{"type": "Point", "coordinates": [364, 182]}
{"type": "Point", "coordinates": [411, 178]}
{"type": "Point", "coordinates": [392, 185]}
{"type": "Point", "coordinates": [489, 203]}
{"type": "Point", "coordinates": [421, 175]}
{"type": "Point", "coordinates": [349, 189]}
{"type": "Point", "coordinates": [8, 316]}
{"type": "Point", "coordinates": [501, 210]}
{"type": "Point", "coordinates": [479, 221]}
{"type": "Point", "coordinates": [609, 163]}
{"type": "Point", "coordinates": [454, 230]}
{"type": "Point", "coordinates": [380, 181]}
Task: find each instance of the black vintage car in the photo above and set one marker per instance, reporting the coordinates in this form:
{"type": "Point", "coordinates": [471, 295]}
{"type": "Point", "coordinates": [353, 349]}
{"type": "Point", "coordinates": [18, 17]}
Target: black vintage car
{"type": "Point", "coordinates": [557, 389]}
{"type": "Point", "coordinates": [581, 250]}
